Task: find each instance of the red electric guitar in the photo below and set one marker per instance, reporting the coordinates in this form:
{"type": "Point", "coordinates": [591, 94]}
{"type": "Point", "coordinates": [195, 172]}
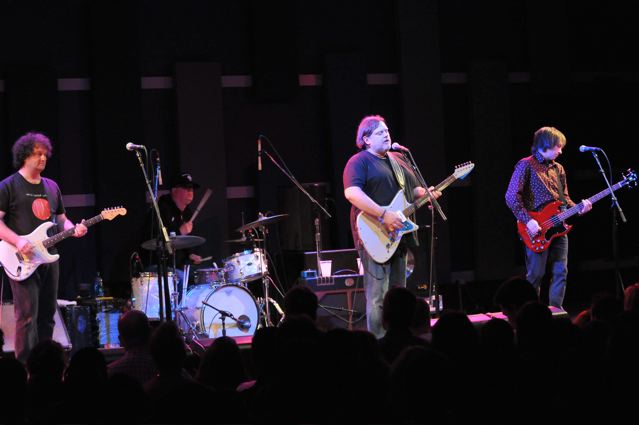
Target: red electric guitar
{"type": "Point", "coordinates": [551, 218]}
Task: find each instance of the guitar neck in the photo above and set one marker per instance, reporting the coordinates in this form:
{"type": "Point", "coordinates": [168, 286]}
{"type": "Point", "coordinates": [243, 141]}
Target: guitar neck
{"type": "Point", "coordinates": [594, 198]}
{"type": "Point", "coordinates": [58, 237]}
{"type": "Point", "coordinates": [410, 210]}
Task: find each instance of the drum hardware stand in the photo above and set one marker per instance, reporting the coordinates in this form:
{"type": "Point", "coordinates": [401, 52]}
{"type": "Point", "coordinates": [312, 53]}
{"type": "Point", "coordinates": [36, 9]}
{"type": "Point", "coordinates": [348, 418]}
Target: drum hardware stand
{"type": "Point", "coordinates": [192, 330]}
{"type": "Point", "coordinates": [263, 304]}
{"type": "Point", "coordinates": [243, 322]}
{"type": "Point", "coordinates": [163, 242]}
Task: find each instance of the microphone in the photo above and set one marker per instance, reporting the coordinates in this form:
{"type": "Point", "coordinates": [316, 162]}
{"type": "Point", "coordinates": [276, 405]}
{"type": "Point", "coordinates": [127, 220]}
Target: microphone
{"type": "Point", "coordinates": [259, 153]}
{"type": "Point", "coordinates": [159, 170]}
{"type": "Point", "coordinates": [131, 147]}
{"type": "Point", "coordinates": [398, 147]}
{"type": "Point", "coordinates": [584, 148]}
{"type": "Point", "coordinates": [243, 322]}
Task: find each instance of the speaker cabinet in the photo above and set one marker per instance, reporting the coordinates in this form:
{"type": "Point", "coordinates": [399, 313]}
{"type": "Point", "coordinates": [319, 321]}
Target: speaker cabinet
{"type": "Point", "coordinates": [81, 326]}
{"type": "Point", "coordinates": [8, 325]}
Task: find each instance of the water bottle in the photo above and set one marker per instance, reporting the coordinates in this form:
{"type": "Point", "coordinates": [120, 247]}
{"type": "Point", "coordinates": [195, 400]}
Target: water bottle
{"type": "Point", "coordinates": [98, 286]}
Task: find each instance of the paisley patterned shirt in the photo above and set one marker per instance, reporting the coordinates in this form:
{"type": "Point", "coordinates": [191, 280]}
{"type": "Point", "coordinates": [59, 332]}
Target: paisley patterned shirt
{"type": "Point", "coordinates": [534, 184]}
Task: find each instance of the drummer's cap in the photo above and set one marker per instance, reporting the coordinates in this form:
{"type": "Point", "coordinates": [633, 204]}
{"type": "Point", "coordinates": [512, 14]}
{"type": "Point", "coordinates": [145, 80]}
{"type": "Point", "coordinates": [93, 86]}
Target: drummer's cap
{"type": "Point", "coordinates": [184, 180]}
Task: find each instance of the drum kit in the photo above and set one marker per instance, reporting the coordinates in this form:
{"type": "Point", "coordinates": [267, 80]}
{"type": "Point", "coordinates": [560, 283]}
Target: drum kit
{"type": "Point", "coordinates": [218, 302]}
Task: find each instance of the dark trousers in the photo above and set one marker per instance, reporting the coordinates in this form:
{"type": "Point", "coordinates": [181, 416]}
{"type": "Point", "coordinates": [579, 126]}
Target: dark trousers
{"type": "Point", "coordinates": [35, 303]}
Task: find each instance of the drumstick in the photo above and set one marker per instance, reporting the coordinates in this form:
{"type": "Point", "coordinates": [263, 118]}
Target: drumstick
{"type": "Point", "coordinates": [205, 198]}
{"type": "Point", "coordinates": [210, 257]}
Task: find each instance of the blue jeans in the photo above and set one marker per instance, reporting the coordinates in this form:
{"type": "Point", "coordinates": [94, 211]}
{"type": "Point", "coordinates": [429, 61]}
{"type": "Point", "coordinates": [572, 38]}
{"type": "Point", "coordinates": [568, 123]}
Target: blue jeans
{"type": "Point", "coordinates": [377, 279]}
{"type": "Point", "coordinates": [556, 259]}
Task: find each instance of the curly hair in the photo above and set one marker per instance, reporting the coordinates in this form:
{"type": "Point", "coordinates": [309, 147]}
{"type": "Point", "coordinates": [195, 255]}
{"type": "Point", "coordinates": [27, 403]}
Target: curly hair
{"type": "Point", "coordinates": [24, 146]}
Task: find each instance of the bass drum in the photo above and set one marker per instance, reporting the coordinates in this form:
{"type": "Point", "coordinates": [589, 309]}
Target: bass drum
{"type": "Point", "coordinates": [144, 293]}
{"type": "Point", "coordinates": [201, 304]}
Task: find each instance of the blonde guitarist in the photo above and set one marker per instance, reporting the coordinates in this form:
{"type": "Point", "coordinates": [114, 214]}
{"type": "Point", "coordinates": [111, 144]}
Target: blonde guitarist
{"type": "Point", "coordinates": [28, 200]}
{"type": "Point", "coordinates": [538, 181]}
{"type": "Point", "coordinates": [372, 177]}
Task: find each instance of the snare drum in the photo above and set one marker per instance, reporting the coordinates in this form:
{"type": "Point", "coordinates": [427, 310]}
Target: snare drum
{"type": "Point", "coordinates": [245, 266]}
{"type": "Point", "coordinates": [202, 300]}
{"type": "Point", "coordinates": [209, 276]}
{"type": "Point", "coordinates": [144, 293]}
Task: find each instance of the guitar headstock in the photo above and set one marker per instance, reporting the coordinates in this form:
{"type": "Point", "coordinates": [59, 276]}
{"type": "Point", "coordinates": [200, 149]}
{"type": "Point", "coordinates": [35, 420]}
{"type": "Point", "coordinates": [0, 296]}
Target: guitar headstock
{"type": "Point", "coordinates": [462, 170]}
{"type": "Point", "coordinates": [630, 176]}
{"type": "Point", "coordinates": [111, 213]}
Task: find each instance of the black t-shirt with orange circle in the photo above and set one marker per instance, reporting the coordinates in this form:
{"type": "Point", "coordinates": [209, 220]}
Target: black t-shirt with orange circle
{"type": "Point", "coordinates": [27, 205]}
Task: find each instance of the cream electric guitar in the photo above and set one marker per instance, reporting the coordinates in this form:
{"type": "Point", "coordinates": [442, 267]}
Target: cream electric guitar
{"type": "Point", "coordinates": [19, 267]}
{"type": "Point", "coordinates": [382, 244]}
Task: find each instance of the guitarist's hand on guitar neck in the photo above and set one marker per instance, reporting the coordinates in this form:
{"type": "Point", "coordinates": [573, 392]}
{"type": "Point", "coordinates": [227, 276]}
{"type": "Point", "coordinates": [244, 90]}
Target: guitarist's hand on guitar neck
{"type": "Point", "coordinates": [80, 230]}
{"type": "Point", "coordinates": [420, 191]}
{"type": "Point", "coordinates": [586, 206]}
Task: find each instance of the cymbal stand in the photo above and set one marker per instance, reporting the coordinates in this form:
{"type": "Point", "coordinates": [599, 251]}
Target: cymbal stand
{"type": "Point", "coordinates": [265, 282]}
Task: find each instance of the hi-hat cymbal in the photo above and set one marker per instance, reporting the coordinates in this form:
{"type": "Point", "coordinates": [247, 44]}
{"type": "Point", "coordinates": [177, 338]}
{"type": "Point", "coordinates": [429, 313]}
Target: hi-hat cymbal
{"type": "Point", "coordinates": [177, 242]}
{"type": "Point", "coordinates": [262, 221]}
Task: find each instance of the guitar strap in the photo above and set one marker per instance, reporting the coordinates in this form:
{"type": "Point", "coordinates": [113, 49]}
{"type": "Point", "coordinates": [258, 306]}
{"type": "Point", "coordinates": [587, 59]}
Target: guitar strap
{"type": "Point", "coordinates": [562, 198]}
{"type": "Point", "coordinates": [51, 197]}
{"type": "Point", "coordinates": [401, 181]}
{"type": "Point", "coordinates": [397, 170]}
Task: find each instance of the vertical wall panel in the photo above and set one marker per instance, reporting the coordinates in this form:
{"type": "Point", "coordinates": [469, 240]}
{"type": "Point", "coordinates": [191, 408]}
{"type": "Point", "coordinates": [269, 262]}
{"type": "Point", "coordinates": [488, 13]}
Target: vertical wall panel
{"type": "Point", "coordinates": [202, 150]}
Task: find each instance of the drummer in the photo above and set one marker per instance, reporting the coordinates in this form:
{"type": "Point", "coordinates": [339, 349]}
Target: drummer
{"type": "Point", "coordinates": [176, 213]}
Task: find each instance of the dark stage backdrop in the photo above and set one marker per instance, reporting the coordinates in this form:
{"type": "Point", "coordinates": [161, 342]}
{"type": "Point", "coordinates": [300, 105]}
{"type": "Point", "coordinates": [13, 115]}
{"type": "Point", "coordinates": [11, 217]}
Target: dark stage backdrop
{"type": "Point", "coordinates": [199, 81]}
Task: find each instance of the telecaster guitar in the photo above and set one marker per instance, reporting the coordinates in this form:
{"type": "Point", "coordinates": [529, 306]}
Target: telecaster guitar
{"type": "Point", "coordinates": [382, 244]}
{"type": "Point", "coordinates": [552, 220]}
{"type": "Point", "coordinates": [19, 267]}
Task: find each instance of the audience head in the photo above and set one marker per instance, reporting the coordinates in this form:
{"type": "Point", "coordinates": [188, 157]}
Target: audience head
{"type": "Point", "coordinates": [606, 307]}
{"type": "Point", "coordinates": [221, 367]}
{"type": "Point", "coordinates": [421, 317]}
{"type": "Point", "coordinates": [398, 308]}
{"type": "Point", "coordinates": [631, 298]}
{"type": "Point", "coordinates": [86, 368]}
{"type": "Point", "coordinates": [512, 294]}
{"type": "Point", "coordinates": [167, 348]}
{"type": "Point", "coordinates": [454, 335]}
{"type": "Point", "coordinates": [533, 326]}
{"type": "Point", "coordinates": [300, 299]}
{"type": "Point", "coordinates": [46, 362]}
{"type": "Point", "coordinates": [134, 329]}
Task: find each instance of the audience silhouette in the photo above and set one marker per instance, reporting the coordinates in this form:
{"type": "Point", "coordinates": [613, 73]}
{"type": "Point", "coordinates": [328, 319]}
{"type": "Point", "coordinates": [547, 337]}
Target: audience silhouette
{"type": "Point", "coordinates": [483, 373]}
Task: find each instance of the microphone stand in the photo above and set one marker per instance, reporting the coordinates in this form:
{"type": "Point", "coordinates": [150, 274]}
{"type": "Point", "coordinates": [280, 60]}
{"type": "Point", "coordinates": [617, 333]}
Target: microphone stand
{"type": "Point", "coordinates": [223, 315]}
{"type": "Point", "coordinates": [433, 288]}
{"type": "Point", "coordinates": [616, 208]}
{"type": "Point", "coordinates": [163, 247]}
{"type": "Point", "coordinates": [317, 206]}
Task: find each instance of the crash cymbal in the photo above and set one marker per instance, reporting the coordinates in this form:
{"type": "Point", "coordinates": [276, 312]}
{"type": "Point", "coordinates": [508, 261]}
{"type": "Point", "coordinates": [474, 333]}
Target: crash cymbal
{"type": "Point", "coordinates": [262, 221]}
{"type": "Point", "coordinates": [177, 242]}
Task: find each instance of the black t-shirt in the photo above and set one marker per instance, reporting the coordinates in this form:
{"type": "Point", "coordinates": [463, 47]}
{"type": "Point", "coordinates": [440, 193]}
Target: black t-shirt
{"type": "Point", "coordinates": [27, 205]}
{"type": "Point", "coordinates": [172, 218]}
{"type": "Point", "coordinates": [374, 175]}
